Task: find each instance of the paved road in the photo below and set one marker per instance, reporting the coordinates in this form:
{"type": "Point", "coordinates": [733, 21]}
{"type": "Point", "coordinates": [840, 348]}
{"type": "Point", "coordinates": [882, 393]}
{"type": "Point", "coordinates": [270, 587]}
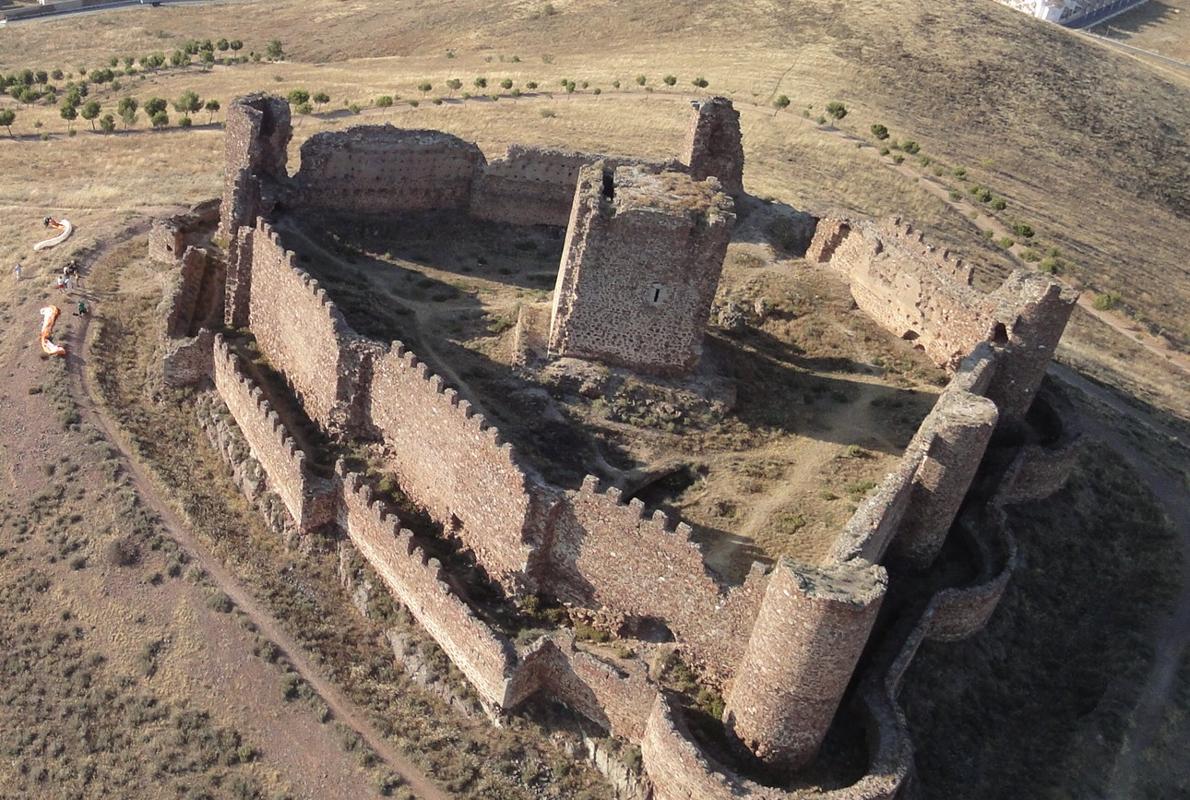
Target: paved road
{"type": "Point", "coordinates": [115, 4]}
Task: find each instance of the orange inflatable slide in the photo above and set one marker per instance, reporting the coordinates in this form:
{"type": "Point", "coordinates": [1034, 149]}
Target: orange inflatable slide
{"type": "Point", "coordinates": [49, 316]}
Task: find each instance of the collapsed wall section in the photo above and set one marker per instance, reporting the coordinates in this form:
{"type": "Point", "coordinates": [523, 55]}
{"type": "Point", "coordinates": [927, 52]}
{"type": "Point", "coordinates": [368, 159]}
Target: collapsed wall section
{"type": "Point", "coordinates": [304, 335]}
{"type": "Point", "coordinates": [641, 263]}
{"type": "Point", "coordinates": [484, 657]}
{"type": "Point", "coordinates": [379, 169]}
{"type": "Point", "coordinates": [309, 499]}
{"type": "Point", "coordinates": [449, 460]}
{"type": "Point", "coordinates": [169, 237]}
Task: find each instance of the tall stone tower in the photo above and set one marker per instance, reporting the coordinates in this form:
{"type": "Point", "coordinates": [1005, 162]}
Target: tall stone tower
{"type": "Point", "coordinates": [716, 146]}
{"type": "Point", "coordinates": [811, 629]}
{"type": "Point", "coordinates": [643, 255]}
{"type": "Point", "coordinates": [256, 144]}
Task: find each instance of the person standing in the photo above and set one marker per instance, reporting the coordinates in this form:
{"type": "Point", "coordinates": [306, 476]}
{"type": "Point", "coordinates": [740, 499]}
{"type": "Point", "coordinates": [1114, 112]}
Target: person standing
{"type": "Point", "coordinates": [17, 270]}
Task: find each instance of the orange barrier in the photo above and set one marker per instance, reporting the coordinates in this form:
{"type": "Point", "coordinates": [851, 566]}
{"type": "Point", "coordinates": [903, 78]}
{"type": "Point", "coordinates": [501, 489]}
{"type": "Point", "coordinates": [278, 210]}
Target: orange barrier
{"type": "Point", "coordinates": [49, 316]}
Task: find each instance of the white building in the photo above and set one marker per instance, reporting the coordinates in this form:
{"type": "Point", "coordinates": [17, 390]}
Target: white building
{"type": "Point", "coordinates": [1073, 13]}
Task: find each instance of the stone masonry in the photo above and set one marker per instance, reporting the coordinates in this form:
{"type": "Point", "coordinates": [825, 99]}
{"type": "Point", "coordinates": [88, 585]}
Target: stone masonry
{"type": "Point", "coordinates": [640, 267]}
{"type": "Point", "coordinates": [644, 250]}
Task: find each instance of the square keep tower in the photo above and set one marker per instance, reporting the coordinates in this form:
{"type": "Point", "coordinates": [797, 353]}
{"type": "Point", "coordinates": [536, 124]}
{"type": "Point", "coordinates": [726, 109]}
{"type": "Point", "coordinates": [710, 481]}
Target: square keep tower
{"type": "Point", "coordinates": [643, 255]}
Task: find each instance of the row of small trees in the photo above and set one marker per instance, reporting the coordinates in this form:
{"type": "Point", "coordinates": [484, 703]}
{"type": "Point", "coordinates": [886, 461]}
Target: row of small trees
{"type": "Point", "coordinates": [128, 108]}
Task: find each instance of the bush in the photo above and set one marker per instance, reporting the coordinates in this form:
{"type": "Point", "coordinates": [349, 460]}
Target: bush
{"type": "Point", "coordinates": [982, 193]}
{"type": "Point", "coordinates": [911, 147]}
{"type": "Point", "coordinates": [781, 102]}
{"type": "Point", "coordinates": [185, 122]}
{"type": "Point", "coordinates": [836, 110]}
{"type": "Point", "coordinates": [670, 80]}
{"type": "Point", "coordinates": [384, 101]}
{"type": "Point", "coordinates": [998, 204]}
{"type": "Point", "coordinates": [898, 159]}
{"type": "Point", "coordinates": [1022, 230]}
{"type": "Point", "coordinates": [1030, 255]}
{"type": "Point", "coordinates": [1106, 301]}
{"type": "Point", "coordinates": [880, 132]}
{"type": "Point", "coordinates": [220, 602]}
{"type": "Point", "coordinates": [122, 552]}
{"type": "Point", "coordinates": [1050, 266]}
{"type": "Point", "coordinates": [1005, 242]}
{"type": "Point", "coordinates": [291, 686]}
{"type": "Point", "coordinates": [388, 782]}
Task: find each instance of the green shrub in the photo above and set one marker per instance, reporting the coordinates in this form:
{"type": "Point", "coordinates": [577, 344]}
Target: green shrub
{"type": "Point", "coordinates": [911, 147]}
{"type": "Point", "coordinates": [1005, 242]}
{"type": "Point", "coordinates": [1030, 255]}
{"type": "Point", "coordinates": [384, 101]}
{"type": "Point", "coordinates": [880, 132]}
{"type": "Point", "coordinates": [221, 602]}
{"type": "Point", "coordinates": [898, 159]}
{"type": "Point", "coordinates": [1106, 301]}
{"type": "Point", "coordinates": [998, 204]}
{"type": "Point", "coordinates": [1050, 266]}
{"type": "Point", "coordinates": [1022, 230]}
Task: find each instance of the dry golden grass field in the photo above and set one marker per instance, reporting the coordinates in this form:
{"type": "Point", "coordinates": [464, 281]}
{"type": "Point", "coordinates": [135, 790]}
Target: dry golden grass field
{"type": "Point", "coordinates": [1084, 142]}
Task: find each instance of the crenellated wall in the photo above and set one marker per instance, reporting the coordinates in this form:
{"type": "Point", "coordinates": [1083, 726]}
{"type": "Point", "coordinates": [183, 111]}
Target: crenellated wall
{"type": "Point", "coordinates": [924, 294]}
{"type": "Point", "coordinates": [308, 498]}
{"type": "Point", "coordinates": [304, 335]}
{"type": "Point", "coordinates": [449, 460]}
{"type": "Point", "coordinates": [379, 169]}
{"type": "Point", "coordinates": [486, 658]}
{"type": "Point", "coordinates": [608, 556]}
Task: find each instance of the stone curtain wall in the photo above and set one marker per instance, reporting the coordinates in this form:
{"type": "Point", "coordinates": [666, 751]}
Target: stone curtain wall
{"type": "Point", "coordinates": [303, 334]}
{"type": "Point", "coordinates": [609, 557]}
{"type": "Point", "coordinates": [485, 658]}
{"type": "Point", "coordinates": [451, 461]}
{"type": "Point", "coordinates": [169, 237]}
{"type": "Point", "coordinates": [529, 186]}
{"type": "Point", "coordinates": [924, 294]}
{"type": "Point", "coordinates": [641, 265]}
{"type": "Point", "coordinates": [306, 496]}
{"type": "Point", "coordinates": [536, 185]}
{"type": "Point", "coordinates": [381, 169]}
{"type": "Point", "coordinates": [926, 299]}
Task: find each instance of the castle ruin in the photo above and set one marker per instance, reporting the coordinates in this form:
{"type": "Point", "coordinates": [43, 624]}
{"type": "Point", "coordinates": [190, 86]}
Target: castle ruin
{"type": "Point", "coordinates": [644, 248]}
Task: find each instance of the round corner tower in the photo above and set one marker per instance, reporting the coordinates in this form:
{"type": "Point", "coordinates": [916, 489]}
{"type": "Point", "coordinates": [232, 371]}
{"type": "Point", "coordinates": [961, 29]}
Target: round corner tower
{"type": "Point", "coordinates": [812, 627]}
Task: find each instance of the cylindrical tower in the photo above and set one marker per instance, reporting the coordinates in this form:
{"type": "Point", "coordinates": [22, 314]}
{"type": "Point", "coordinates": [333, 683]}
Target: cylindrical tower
{"type": "Point", "coordinates": [954, 438]}
{"type": "Point", "coordinates": [812, 626]}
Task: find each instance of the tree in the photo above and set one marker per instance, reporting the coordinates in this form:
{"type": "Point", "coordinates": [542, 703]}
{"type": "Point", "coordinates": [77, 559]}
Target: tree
{"type": "Point", "coordinates": [108, 123]}
{"type": "Point", "coordinates": [56, 74]}
{"type": "Point", "coordinates": [836, 110]}
{"type": "Point", "coordinates": [298, 97]}
{"type": "Point", "coordinates": [531, 85]}
{"type": "Point", "coordinates": [126, 108]}
{"type": "Point", "coordinates": [154, 106]}
{"type": "Point", "coordinates": [70, 114]}
{"type": "Point", "coordinates": [782, 102]}
{"type": "Point", "coordinates": [160, 119]}
{"type": "Point", "coordinates": [320, 99]}
{"type": "Point", "coordinates": [424, 87]}
{"type": "Point", "coordinates": [41, 76]}
{"type": "Point", "coordinates": [454, 84]}
{"type": "Point", "coordinates": [570, 87]}
{"type": "Point", "coordinates": [641, 80]}
{"type": "Point", "coordinates": [480, 83]}
{"type": "Point", "coordinates": [236, 45]}
{"type": "Point", "coordinates": [212, 108]}
{"type": "Point", "coordinates": [7, 117]}
{"type": "Point", "coordinates": [880, 131]}
{"type": "Point", "coordinates": [670, 80]}
{"type": "Point", "coordinates": [179, 58]}
{"type": "Point", "coordinates": [223, 45]}
{"type": "Point", "coordinates": [188, 103]}
{"type": "Point", "coordinates": [701, 82]}
{"type": "Point", "coordinates": [208, 57]}
{"type": "Point", "coordinates": [506, 84]}
{"type": "Point", "coordinates": [91, 111]}
{"type": "Point", "coordinates": [275, 51]}
{"type": "Point", "coordinates": [384, 101]}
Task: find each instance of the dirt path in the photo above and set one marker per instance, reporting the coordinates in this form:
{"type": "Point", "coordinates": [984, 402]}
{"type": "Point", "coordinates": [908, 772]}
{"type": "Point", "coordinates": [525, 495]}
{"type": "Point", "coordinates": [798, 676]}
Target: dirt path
{"type": "Point", "coordinates": [1173, 638]}
{"type": "Point", "coordinates": [92, 409]}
